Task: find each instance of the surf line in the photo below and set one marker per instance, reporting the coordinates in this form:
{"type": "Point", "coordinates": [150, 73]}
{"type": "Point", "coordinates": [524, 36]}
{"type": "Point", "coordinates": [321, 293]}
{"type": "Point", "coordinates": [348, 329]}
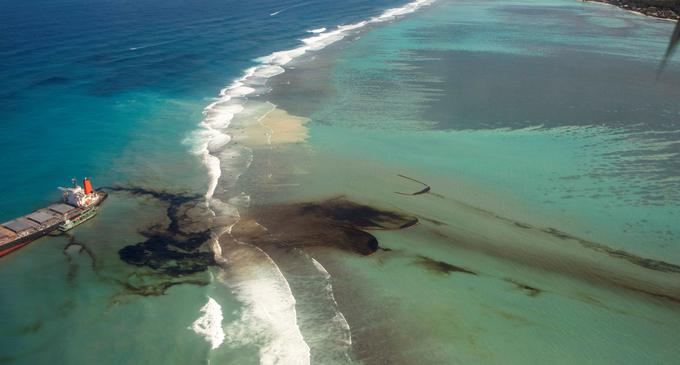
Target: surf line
{"type": "Point", "coordinates": [210, 140]}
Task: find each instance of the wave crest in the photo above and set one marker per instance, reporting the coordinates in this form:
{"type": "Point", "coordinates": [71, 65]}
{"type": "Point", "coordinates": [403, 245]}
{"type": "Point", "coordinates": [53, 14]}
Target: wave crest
{"type": "Point", "coordinates": [209, 325]}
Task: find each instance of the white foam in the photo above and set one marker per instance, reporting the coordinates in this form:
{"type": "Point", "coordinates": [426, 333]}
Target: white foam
{"type": "Point", "coordinates": [271, 66]}
{"type": "Point", "coordinates": [268, 71]}
{"type": "Point", "coordinates": [282, 57]}
{"type": "Point", "coordinates": [317, 30]}
{"type": "Point", "coordinates": [219, 118]}
{"type": "Point", "coordinates": [219, 114]}
{"type": "Point", "coordinates": [239, 91]}
{"type": "Point", "coordinates": [225, 107]}
{"type": "Point", "coordinates": [270, 305]}
{"type": "Point", "coordinates": [209, 324]}
{"type": "Point", "coordinates": [391, 14]}
{"type": "Point", "coordinates": [149, 45]}
{"type": "Point", "coordinates": [269, 317]}
{"type": "Point", "coordinates": [324, 38]}
{"type": "Point", "coordinates": [216, 139]}
{"type": "Point", "coordinates": [213, 165]}
{"type": "Point", "coordinates": [339, 317]}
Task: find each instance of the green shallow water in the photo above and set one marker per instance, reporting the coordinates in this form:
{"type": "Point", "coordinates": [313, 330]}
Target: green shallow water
{"type": "Point", "coordinates": [552, 156]}
{"type": "Point", "coordinates": [84, 306]}
{"type": "Point", "coordinates": [594, 156]}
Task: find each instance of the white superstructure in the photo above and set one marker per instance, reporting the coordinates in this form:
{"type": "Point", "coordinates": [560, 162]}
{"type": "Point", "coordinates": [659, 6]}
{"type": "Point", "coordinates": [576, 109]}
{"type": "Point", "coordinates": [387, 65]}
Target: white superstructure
{"type": "Point", "coordinates": [79, 197]}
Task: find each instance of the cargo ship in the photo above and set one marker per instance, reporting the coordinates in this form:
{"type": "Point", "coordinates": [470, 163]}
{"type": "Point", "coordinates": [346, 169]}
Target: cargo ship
{"type": "Point", "coordinates": [78, 205]}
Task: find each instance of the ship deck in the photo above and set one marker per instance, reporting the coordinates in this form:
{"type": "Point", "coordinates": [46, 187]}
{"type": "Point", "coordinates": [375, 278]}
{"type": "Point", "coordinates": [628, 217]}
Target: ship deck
{"type": "Point", "coordinates": [40, 222]}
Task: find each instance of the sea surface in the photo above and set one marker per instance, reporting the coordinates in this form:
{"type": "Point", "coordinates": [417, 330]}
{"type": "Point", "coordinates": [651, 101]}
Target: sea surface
{"type": "Point", "coordinates": [356, 182]}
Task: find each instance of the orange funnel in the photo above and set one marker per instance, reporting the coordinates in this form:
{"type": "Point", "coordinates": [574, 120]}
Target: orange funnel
{"type": "Point", "coordinates": [88, 186]}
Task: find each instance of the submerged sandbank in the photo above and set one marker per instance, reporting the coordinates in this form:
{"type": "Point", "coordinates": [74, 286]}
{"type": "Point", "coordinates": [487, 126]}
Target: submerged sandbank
{"type": "Point", "coordinates": [277, 127]}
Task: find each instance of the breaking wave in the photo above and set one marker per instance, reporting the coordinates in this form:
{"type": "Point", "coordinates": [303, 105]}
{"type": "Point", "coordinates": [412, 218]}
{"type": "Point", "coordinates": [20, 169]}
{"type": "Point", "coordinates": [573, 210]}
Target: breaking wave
{"type": "Point", "coordinates": [270, 315]}
{"type": "Point", "coordinates": [209, 325]}
{"type": "Point", "coordinates": [212, 134]}
{"type": "Point", "coordinates": [339, 318]}
{"type": "Point", "coordinates": [269, 318]}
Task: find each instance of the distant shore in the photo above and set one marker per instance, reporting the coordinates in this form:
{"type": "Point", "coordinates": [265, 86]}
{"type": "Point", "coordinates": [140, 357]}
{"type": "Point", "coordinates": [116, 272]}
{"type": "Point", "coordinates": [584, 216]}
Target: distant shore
{"type": "Point", "coordinates": [655, 8]}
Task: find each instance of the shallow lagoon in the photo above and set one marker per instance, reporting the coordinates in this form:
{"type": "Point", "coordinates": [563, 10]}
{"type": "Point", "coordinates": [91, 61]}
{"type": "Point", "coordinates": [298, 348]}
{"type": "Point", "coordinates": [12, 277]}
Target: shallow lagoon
{"type": "Point", "coordinates": [550, 152]}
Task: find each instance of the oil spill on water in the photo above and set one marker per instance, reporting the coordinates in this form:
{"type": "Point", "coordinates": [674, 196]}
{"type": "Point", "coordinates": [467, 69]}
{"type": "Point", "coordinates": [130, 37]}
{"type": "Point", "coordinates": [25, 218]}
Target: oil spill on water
{"type": "Point", "coordinates": [336, 222]}
{"type": "Point", "coordinates": [174, 250]}
{"type": "Point", "coordinates": [570, 266]}
{"type": "Point", "coordinates": [441, 266]}
{"type": "Point", "coordinates": [170, 254]}
{"type": "Point", "coordinates": [648, 263]}
{"type": "Point", "coordinates": [527, 289]}
{"type": "Point", "coordinates": [651, 264]}
{"type": "Point", "coordinates": [71, 248]}
{"type": "Point", "coordinates": [343, 224]}
{"type": "Point", "coordinates": [157, 288]}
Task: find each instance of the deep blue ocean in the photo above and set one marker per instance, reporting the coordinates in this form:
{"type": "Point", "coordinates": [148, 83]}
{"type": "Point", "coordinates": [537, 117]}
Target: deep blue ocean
{"type": "Point", "coordinates": [80, 80]}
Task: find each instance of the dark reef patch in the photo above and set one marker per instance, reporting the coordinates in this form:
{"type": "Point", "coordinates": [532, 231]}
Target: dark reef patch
{"type": "Point", "coordinates": [336, 222]}
{"type": "Point", "coordinates": [174, 250]}
{"type": "Point", "coordinates": [441, 266]}
{"type": "Point", "coordinates": [528, 289]}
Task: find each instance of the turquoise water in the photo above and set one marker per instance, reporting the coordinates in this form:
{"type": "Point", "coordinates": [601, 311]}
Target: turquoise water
{"type": "Point", "coordinates": [550, 150]}
{"type": "Point", "coordinates": [525, 118]}
{"type": "Point", "coordinates": [588, 147]}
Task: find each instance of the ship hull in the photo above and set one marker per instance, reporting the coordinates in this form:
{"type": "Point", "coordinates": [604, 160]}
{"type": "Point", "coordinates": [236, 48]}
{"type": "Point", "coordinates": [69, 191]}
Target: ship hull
{"type": "Point", "coordinates": [20, 242]}
{"type": "Point", "coordinates": [23, 241]}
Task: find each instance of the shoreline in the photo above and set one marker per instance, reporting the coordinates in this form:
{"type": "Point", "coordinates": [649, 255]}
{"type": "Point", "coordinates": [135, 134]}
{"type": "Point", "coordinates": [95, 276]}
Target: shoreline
{"type": "Point", "coordinates": [649, 11]}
